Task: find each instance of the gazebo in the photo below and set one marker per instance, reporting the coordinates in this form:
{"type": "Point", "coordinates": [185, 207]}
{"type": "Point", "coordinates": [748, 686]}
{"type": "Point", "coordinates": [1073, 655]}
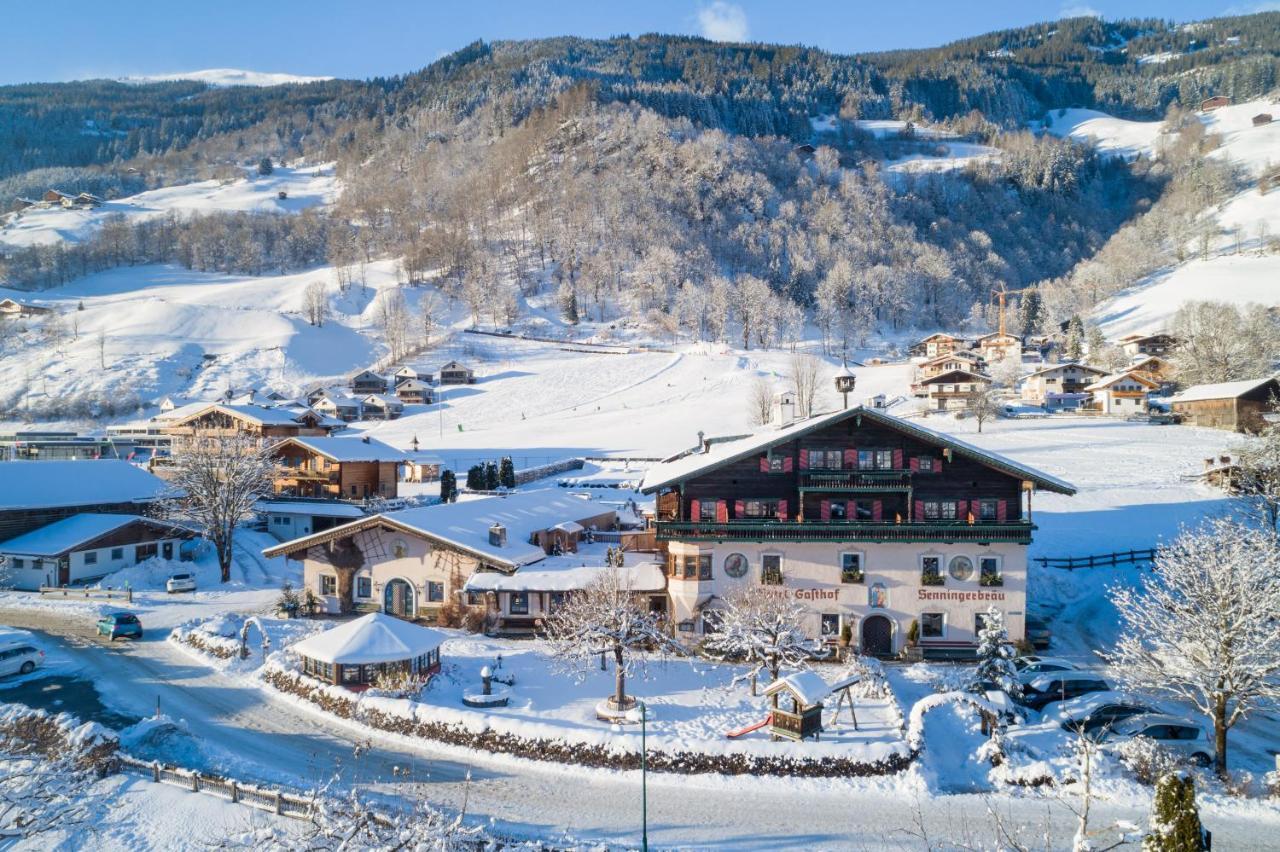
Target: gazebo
{"type": "Point", "coordinates": [799, 714]}
{"type": "Point", "coordinates": [355, 653]}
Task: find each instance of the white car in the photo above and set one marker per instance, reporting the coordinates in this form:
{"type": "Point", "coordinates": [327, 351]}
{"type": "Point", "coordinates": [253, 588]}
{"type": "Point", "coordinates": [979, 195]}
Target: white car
{"type": "Point", "coordinates": [1030, 668]}
{"type": "Point", "coordinates": [181, 583]}
{"type": "Point", "coordinates": [20, 658]}
{"type": "Point", "coordinates": [1180, 736]}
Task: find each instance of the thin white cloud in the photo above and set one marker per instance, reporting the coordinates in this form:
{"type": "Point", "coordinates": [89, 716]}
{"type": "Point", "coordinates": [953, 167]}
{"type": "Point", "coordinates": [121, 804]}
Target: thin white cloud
{"type": "Point", "coordinates": [721, 21]}
{"type": "Point", "coordinates": [1078, 10]}
{"type": "Point", "coordinates": [1253, 8]}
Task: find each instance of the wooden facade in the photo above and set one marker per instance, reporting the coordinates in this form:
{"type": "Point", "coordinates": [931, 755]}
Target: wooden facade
{"type": "Point", "coordinates": [224, 421]}
{"type": "Point", "coordinates": [304, 472]}
{"type": "Point", "coordinates": [938, 344]}
{"type": "Point", "coordinates": [1240, 413]}
{"type": "Point", "coordinates": [955, 390]}
{"type": "Point", "coordinates": [455, 373]}
{"type": "Point", "coordinates": [1066, 378]}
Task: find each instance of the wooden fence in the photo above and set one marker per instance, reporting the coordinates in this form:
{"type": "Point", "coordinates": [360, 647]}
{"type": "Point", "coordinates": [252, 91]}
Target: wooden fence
{"type": "Point", "coordinates": [88, 594]}
{"type": "Point", "coordinates": [1102, 560]}
{"type": "Point", "coordinates": [276, 801]}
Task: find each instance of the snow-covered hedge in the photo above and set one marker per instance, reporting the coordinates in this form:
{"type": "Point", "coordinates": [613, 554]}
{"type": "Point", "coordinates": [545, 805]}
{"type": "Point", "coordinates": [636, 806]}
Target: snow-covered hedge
{"type": "Point", "coordinates": [24, 730]}
{"type": "Point", "coordinates": [206, 641]}
{"type": "Point", "coordinates": [475, 730]}
{"type": "Point", "coordinates": [915, 724]}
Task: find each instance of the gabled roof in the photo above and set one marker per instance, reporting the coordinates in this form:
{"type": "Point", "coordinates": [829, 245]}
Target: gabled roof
{"type": "Point", "coordinates": [373, 638]}
{"type": "Point", "coordinates": [413, 385]}
{"type": "Point", "coordinates": [384, 400]}
{"type": "Point", "coordinates": [250, 413]}
{"type": "Point", "coordinates": [565, 574]}
{"type": "Point", "coordinates": [368, 374]}
{"type": "Point", "coordinates": [687, 465]}
{"type": "Point", "coordinates": [465, 525]}
{"type": "Point", "coordinates": [315, 508]}
{"type": "Point", "coordinates": [992, 334]}
{"type": "Point", "coordinates": [59, 483]}
{"type": "Point", "coordinates": [349, 449]}
{"type": "Point", "coordinates": [338, 400]}
{"type": "Point", "coordinates": [70, 533]}
{"type": "Point", "coordinates": [961, 354]}
{"type": "Point", "coordinates": [941, 335]}
{"type": "Point", "coordinates": [956, 376]}
{"type": "Point", "coordinates": [807, 686]}
{"type": "Point", "coordinates": [1222, 390]}
{"type": "Point", "coordinates": [1107, 381]}
{"type": "Point", "coordinates": [456, 365]}
{"type": "Point", "coordinates": [1053, 368]}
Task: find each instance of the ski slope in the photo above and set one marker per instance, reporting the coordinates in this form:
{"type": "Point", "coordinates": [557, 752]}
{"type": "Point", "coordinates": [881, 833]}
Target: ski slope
{"type": "Point", "coordinates": [1109, 135]}
{"type": "Point", "coordinates": [305, 187]}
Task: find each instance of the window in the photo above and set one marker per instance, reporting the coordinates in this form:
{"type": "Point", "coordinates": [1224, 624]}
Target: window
{"type": "Point", "coordinates": [979, 623]}
{"type": "Point", "coordinates": [555, 600]}
{"type": "Point", "coordinates": [925, 464]}
{"type": "Point", "coordinates": [932, 510]}
{"type": "Point", "coordinates": [697, 567]}
{"type": "Point", "coordinates": [707, 510]}
{"type": "Point", "coordinates": [760, 508]}
{"type": "Point", "coordinates": [19, 563]}
{"type": "Point", "coordinates": [986, 510]}
{"type": "Point", "coordinates": [328, 584]}
{"type": "Point", "coordinates": [826, 459]}
{"type": "Point", "coordinates": [830, 626]}
{"type": "Point", "coordinates": [279, 520]}
{"type": "Point", "coordinates": [851, 568]}
{"type": "Point", "coordinates": [960, 568]}
{"type": "Point", "coordinates": [435, 592]}
{"type": "Point", "coordinates": [771, 569]}
{"type": "Point", "coordinates": [839, 510]}
{"type": "Point", "coordinates": [117, 553]}
{"type": "Point", "coordinates": [91, 557]}
{"type": "Point", "coordinates": [519, 603]}
{"type": "Point", "coordinates": [350, 674]}
{"type": "Point", "coordinates": [777, 464]}
{"type": "Point", "coordinates": [931, 571]}
{"type": "Point", "coordinates": [989, 571]}
{"type": "Point", "coordinates": [862, 511]}
{"type": "Point", "coordinates": [364, 587]}
{"type": "Point", "coordinates": [704, 566]}
{"type": "Point", "coordinates": [933, 625]}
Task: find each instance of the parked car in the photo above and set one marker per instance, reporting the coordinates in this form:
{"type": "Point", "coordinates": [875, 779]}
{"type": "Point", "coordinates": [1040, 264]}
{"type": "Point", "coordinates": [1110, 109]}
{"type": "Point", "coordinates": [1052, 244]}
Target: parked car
{"type": "Point", "coordinates": [19, 658]}
{"type": "Point", "coordinates": [1038, 633]}
{"type": "Point", "coordinates": [1029, 668]}
{"type": "Point", "coordinates": [1096, 712]}
{"type": "Point", "coordinates": [180, 583]}
{"type": "Point", "coordinates": [1060, 686]}
{"type": "Point", "coordinates": [120, 624]}
{"type": "Point", "coordinates": [1180, 736]}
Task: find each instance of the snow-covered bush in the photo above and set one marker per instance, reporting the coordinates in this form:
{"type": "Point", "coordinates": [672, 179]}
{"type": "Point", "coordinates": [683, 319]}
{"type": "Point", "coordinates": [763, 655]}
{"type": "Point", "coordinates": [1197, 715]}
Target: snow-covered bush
{"type": "Point", "coordinates": [996, 655]}
{"type": "Point", "coordinates": [1175, 819]}
{"type": "Point", "coordinates": [1146, 759]}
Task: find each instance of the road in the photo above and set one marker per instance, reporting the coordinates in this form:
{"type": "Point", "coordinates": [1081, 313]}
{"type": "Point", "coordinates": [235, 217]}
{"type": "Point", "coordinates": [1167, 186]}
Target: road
{"type": "Point", "coordinates": [267, 738]}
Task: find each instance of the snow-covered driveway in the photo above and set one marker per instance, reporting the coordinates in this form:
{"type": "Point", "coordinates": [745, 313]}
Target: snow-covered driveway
{"type": "Point", "coordinates": [273, 740]}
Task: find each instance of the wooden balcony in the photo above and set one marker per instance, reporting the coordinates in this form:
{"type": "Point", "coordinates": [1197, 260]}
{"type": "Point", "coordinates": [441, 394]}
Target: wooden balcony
{"type": "Point", "coordinates": [1011, 532]}
{"type": "Point", "coordinates": [856, 481]}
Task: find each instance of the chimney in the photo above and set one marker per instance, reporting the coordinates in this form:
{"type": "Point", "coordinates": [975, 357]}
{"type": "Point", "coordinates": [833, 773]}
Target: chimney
{"type": "Point", "coordinates": [498, 535]}
{"type": "Point", "coordinates": [786, 408]}
{"type": "Point", "coordinates": [702, 441]}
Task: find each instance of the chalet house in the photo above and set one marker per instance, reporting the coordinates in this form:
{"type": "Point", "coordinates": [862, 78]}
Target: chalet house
{"type": "Point", "coordinates": [1154, 367]}
{"type": "Point", "coordinates": [34, 494]}
{"type": "Point", "coordinates": [9, 309]}
{"type": "Point", "coordinates": [1209, 104]}
{"type": "Point", "coordinates": [320, 392]}
{"type": "Point", "coordinates": [408, 374]}
{"type": "Point", "coordinates": [938, 344]}
{"type": "Point", "coordinates": [336, 468]}
{"type": "Point", "coordinates": [1236, 406]}
{"type": "Point", "coordinates": [454, 373]}
{"type": "Point", "coordinates": [866, 519]}
{"type": "Point", "coordinates": [956, 390]}
{"type": "Point", "coordinates": [1121, 393]}
{"type": "Point", "coordinates": [367, 381]}
{"type": "Point", "coordinates": [964, 360]}
{"type": "Point", "coordinates": [997, 346]}
{"type": "Point", "coordinates": [344, 408]}
{"type": "Point", "coordinates": [1261, 119]}
{"type": "Point", "coordinates": [381, 406]}
{"type": "Point", "coordinates": [289, 519]}
{"type": "Point", "coordinates": [83, 199]}
{"type": "Point", "coordinates": [1136, 345]}
{"type": "Point", "coordinates": [265, 424]}
{"type": "Point", "coordinates": [1060, 386]}
{"type": "Point", "coordinates": [415, 392]}
{"type": "Point", "coordinates": [411, 562]}
{"type": "Point", "coordinates": [86, 547]}
{"type": "Point", "coordinates": [53, 197]}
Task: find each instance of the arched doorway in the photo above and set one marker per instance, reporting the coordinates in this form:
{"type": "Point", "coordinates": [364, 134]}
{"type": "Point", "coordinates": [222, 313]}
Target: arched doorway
{"type": "Point", "coordinates": [397, 599]}
{"type": "Point", "coordinates": [877, 635]}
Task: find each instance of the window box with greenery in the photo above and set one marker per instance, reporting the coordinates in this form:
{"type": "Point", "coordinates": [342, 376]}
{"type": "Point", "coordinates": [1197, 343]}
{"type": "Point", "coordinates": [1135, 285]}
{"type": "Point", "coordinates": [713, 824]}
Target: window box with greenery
{"type": "Point", "coordinates": [989, 573]}
{"type": "Point", "coordinates": [931, 571]}
{"type": "Point", "coordinates": [851, 568]}
{"type": "Point", "coordinates": [771, 570]}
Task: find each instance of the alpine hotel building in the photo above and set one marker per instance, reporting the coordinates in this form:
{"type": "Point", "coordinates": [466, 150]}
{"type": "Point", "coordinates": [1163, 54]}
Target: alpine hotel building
{"type": "Point", "coordinates": [865, 518]}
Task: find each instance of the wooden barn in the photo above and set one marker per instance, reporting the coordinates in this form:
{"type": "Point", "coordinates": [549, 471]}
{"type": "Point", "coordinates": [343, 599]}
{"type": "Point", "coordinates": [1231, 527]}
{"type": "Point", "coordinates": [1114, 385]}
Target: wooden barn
{"type": "Point", "coordinates": [1235, 406]}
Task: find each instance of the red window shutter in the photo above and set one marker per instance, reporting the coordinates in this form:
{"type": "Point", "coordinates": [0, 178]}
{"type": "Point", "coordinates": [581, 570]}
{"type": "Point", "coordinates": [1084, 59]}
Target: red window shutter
{"type": "Point", "coordinates": [1002, 510]}
{"type": "Point", "coordinates": [897, 459]}
{"type": "Point", "coordinates": [917, 512]}
{"type": "Point", "coordinates": [782, 510]}
{"type": "Point", "coordinates": [915, 463]}
{"type": "Point", "coordinates": [804, 459]}
{"type": "Point", "coordinates": [877, 509]}
{"type": "Point", "coordinates": [824, 510]}
{"type": "Point", "coordinates": [851, 458]}
{"type": "Point", "coordinates": [739, 509]}
{"type": "Point", "coordinates": [786, 464]}
{"type": "Point", "coordinates": [722, 511]}
{"type": "Point", "coordinates": [694, 514]}
{"type": "Point", "coordinates": [764, 464]}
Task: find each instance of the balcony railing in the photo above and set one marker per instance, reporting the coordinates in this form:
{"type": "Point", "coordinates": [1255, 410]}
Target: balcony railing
{"type": "Point", "coordinates": [1011, 532]}
{"type": "Point", "coordinates": [855, 480]}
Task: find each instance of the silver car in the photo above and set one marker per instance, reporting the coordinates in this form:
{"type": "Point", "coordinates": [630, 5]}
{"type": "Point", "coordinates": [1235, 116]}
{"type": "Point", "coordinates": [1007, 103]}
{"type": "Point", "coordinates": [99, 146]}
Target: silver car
{"type": "Point", "coordinates": [19, 658]}
{"type": "Point", "coordinates": [180, 583]}
{"type": "Point", "coordinates": [1180, 736]}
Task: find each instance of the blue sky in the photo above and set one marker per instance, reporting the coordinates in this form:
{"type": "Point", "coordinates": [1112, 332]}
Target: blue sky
{"type": "Point", "coordinates": [76, 39]}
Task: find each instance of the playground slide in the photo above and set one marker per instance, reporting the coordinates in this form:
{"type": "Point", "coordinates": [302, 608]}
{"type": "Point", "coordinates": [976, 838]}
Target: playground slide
{"type": "Point", "coordinates": [749, 728]}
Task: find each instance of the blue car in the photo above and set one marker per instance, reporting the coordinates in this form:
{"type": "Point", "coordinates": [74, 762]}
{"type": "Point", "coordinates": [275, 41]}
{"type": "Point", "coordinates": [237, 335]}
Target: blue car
{"type": "Point", "coordinates": [120, 624]}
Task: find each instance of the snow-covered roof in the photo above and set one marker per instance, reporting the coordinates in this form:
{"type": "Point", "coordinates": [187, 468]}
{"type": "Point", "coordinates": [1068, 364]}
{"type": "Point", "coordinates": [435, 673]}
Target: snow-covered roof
{"type": "Point", "coordinates": [560, 574]}
{"type": "Point", "coordinates": [1109, 380]}
{"type": "Point", "coordinates": [1221, 390]}
{"type": "Point", "coordinates": [412, 384]}
{"type": "Point", "coordinates": [348, 449]}
{"type": "Point", "coordinates": [91, 482]}
{"type": "Point", "coordinates": [373, 638]}
{"type": "Point", "coordinates": [466, 524]}
{"type": "Point", "coordinates": [946, 378]}
{"type": "Point", "coordinates": [69, 533]}
{"type": "Point", "coordinates": [338, 400]}
{"type": "Point", "coordinates": [688, 464]}
{"type": "Point", "coordinates": [320, 509]}
{"type": "Point", "coordinates": [1053, 368]}
{"type": "Point", "coordinates": [807, 686]}
{"type": "Point", "coordinates": [386, 400]}
{"type": "Point", "coordinates": [250, 413]}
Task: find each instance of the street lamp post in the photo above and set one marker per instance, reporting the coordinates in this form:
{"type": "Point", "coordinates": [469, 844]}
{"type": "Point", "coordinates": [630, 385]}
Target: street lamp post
{"type": "Point", "coordinates": [640, 712]}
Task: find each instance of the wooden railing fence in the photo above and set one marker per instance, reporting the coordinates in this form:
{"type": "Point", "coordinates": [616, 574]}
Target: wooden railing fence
{"type": "Point", "coordinates": [87, 594]}
{"type": "Point", "coordinates": [276, 801]}
{"type": "Point", "coordinates": [1100, 560]}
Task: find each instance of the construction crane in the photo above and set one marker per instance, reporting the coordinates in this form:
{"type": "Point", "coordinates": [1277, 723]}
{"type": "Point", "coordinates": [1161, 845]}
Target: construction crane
{"type": "Point", "coordinates": [1000, 295]}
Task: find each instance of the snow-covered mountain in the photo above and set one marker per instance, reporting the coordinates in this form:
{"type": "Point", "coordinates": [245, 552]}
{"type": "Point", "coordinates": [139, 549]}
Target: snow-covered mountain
{"type": "Point", "coordinates": [226, 77]}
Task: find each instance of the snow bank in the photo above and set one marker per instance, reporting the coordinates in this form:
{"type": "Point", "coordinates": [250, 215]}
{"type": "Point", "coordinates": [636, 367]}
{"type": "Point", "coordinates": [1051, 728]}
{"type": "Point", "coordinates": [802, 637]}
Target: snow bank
{"type": "Point", "coordinates": [1110, 135]}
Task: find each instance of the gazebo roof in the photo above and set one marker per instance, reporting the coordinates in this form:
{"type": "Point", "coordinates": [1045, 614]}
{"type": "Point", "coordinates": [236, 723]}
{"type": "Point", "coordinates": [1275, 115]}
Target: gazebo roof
{"type": "Point", "coordinates": [807, 686]}
{"type": "Point", "coordinates": [373, 638]}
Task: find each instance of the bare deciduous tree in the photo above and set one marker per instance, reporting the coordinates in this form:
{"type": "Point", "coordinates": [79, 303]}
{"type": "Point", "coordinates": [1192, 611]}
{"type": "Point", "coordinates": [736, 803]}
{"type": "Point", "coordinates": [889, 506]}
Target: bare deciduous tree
{"type": "Point", "coordinates": [806, 376]}
{"type": "Point", "coordinates": [760, 402]}
{"type": "Point", "coordinates": [984, 405]}
{"type": "Point", "coordinates": [315, 303]}
{"type": "Point", "coordinates": [761, 625]}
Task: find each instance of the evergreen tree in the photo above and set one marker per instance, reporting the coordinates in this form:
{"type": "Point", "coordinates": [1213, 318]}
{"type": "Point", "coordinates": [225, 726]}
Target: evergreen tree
{"type": "Point", "coordinates": [996, 655]}
{"type": "Point", "coordinates": [1175, 819]}
{"type": "Point", "coordinates": [265, 167]}
{"type": "Point", "coordinates": [1073, 349]}
{"type": "Point", "coordinates": [1096, 342]}
{"type": "Point", "coordinates": [507, 473]}
{"type": "Point", "coordinates": [475, 478]}
{"type": "Point", "coordinates": [448, 487]}
{"type": "Point", "coordinates": [491, 481]}
{"type": "Point", "coordinates": [1029, 313]}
